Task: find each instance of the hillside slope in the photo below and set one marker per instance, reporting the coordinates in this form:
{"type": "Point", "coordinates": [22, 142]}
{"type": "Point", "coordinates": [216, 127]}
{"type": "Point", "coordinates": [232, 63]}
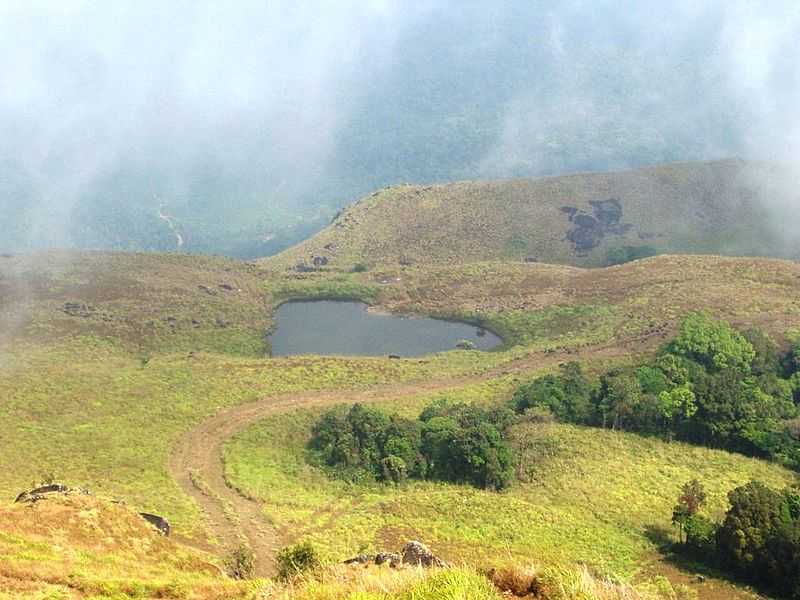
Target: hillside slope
{"type": "Point", "coordinates": [147, 302]}
{"type": "Point", "coordinates": [703, 207]}
{"type": "Point", "coordinates": [77, 546]}
{"type": "Point", "coordinates": [74, 547]}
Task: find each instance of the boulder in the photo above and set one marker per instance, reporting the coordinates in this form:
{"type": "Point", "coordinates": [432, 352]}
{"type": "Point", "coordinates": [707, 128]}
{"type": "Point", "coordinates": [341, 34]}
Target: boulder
{"type": "Point", "coordinates": [360, 559]}
{"type": "Point", "coordinates": [392, 558]}
{"type": "Point", "coordinates": [158, 522]}
{"type": "Point", "coordinates": [417, 553]}
{"type": "Point", "coordinates": [45, 491]}
{"type": "Point", "coordinates": [78, 309]}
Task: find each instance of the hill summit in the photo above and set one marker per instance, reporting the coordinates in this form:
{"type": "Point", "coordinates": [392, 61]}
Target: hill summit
{"type": "Point", "coordinates": [585, 219]}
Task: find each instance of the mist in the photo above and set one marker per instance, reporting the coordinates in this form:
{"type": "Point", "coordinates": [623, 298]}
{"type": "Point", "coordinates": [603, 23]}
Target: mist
{"type": "Point", "coordinates": [251, 123]}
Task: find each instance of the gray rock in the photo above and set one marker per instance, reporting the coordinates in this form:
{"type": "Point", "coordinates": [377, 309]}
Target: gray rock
{"type": "Point", "coordinates": [47, 491]}
{"type": "Point", "coordinates": [417, 553]}
{"type": "Point", "coordinates": [158, 522]}
{"type": "Point", "coordinates": [394, 559]}
{"type": "Point", "coordinates": [361, 559]}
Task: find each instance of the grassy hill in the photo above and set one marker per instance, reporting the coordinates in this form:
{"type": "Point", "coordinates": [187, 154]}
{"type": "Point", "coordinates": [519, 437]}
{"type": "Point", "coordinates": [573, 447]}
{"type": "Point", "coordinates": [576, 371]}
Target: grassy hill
{"type": "Point", "coordinates": [86, 547]}
{"type": "Point", "coordinates": [114, 397]}
{"type": "Point", "coordinates": [147, 302]}
{"type": "Point", "coordinates": [724, 207]}
{"type": "Point", "coordinates": [583, 495]}
{"type": "Point", "coordinates": [108, 361]}
{"type": "Point", "coordinates": [83, 546]}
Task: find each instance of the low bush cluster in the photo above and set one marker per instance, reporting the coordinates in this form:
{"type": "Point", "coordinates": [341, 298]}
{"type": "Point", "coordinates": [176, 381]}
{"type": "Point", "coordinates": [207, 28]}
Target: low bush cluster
{"type": "Point", "coordinates": [621, 254]}
{"type": "Point", "coordinates": [711, 385]}
{"type": "Point", "coordinates": [448, 442]}
{"type": "Point", "coordinates": [297, 559]}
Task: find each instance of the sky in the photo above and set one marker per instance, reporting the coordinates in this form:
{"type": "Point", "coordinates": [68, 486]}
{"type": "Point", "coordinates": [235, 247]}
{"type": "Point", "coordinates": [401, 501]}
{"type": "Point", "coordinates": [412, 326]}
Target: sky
{"type": "Point", "coordinates": [276, 107]}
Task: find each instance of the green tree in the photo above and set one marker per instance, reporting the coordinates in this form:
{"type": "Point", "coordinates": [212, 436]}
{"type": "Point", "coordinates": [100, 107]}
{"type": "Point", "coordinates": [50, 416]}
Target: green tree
{"type": "Point", "coordinates": [438, 435]}
{"type": "Point", "coordinates": [546, 391]}
{"type": "Point", "coordinates": [756, 514]}
{"type": "Point", "coordinates": [677, 405]}
{"type": "Point", "coordinates": [482, 456]}
{"type": "Point", "coordinates": [701, 534]}
{"type": "Point", "coordinates": [568, 395]}
{"type": "Point", "coordinates": [714, 344]}
{"type": "Point", "coordinates": [394, 469]}
{"type": "Point", "coordinates": [577, 393]}
{"type": "Point", "coordinates": [690, 501]}
{"type": "Point", "coordinates": [620, 396]}
{"type": "Point", "coordinates": [783, 565]}
{"type": "Point", "coordinates": [766, 358]}
{"type": "Point", "coordinates": [724, 409]}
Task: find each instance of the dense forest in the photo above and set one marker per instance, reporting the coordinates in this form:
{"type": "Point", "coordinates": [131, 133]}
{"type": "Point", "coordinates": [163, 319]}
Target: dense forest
{"type": "Point", "coordinates": [711, 385]}
{"type": "Point", "coordinates": [448, 442]}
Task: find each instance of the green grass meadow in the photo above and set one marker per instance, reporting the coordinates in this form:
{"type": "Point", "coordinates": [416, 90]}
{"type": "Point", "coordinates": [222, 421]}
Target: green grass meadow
{"type": "Point", "coordinates": [582, 495]}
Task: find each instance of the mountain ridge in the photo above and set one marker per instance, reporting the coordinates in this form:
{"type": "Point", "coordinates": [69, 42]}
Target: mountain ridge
{"type": "Point", "coordinates": [715, 207]}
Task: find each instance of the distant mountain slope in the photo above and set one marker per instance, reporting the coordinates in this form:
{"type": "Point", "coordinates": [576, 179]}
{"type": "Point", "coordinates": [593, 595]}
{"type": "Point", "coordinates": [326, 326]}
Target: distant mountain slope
{"type": "Point", "coordinates": [722, 207]}
{"type": "Point", "coordinates": [148, 302]}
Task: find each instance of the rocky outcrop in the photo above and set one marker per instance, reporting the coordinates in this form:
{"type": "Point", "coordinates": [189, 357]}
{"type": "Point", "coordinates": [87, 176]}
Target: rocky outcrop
{"type": "Point", "coordinates": [417, 553]}
{"type": "Point", "coordinates": [360, 559]}
{"type": "Point", "coordinates": [78, 309]}
{"type": "Point", "coordinates": [393, 559]}
{"type": "Point", "coordinates": [45, 491]}
{"type": "Point", "coordinates": [158, 522]}
{"type": "Point", "coordinates": [414, 553]}
{"type": "Point", "coordinates": [589, 230]}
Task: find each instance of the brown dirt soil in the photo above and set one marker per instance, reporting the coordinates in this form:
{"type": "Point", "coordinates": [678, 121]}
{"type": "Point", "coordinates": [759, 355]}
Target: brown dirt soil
{"type": "Point", "coordinates": [707, 588]}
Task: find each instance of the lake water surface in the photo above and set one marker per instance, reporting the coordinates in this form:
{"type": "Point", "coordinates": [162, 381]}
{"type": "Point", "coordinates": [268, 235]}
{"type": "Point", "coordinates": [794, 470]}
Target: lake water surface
{"type": "Point", "coordinates": [348, 328]}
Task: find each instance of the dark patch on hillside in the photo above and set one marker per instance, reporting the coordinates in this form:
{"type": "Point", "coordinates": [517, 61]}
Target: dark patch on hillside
{"type": "Point", "coordinates": [590, 229]}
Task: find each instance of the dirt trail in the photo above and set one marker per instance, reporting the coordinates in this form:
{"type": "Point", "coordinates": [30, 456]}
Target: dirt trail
{"type": "Point", "coordinates": [196, 464]}
{"type": "Point", "coordinates": [196, 461]}
{"type": "Point", "coordinates": [171, 224]}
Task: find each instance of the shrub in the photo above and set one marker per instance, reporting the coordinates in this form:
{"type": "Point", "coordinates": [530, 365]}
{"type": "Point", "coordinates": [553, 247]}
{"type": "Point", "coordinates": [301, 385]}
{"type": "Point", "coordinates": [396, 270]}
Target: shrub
{"type": "Point", "coordinates": [241, 562]}
{"type": "Point", "coordinates": [756, 513]}
{"type": "Point", "coordinates": [394, 469]}
{"type": "Point", "coordinates": [622, 254]}
{"type": "Point", "coordinates": [359, 268]}
{"type": "Point", "coordinates": [296, 559]}
{"type": "Point", "coordinates": [567, 395]}
{"type": "Point", "coordinates": [759, 538]}
{"type": "Point", "coordinates": [700, 534]}
{"type": "Point", "coordinates": [691, 499]}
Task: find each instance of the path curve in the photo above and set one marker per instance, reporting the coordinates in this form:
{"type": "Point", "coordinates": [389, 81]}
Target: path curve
{"type": "Point", "coordinates": [196, 461]}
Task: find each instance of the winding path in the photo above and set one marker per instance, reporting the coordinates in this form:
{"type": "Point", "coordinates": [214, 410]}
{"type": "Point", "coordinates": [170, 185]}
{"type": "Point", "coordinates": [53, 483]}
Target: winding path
{"type": "Point", "coordinates": [234, 519]}
{"type": "Point", "coordinates": [196, 464]}
{"type": "Point", "coordinates": [171, 224]}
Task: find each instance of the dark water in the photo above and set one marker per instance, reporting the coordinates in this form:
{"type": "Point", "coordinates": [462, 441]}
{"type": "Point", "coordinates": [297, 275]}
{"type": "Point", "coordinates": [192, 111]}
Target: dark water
{"type": "Point", "coordinates": [330, 327]}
